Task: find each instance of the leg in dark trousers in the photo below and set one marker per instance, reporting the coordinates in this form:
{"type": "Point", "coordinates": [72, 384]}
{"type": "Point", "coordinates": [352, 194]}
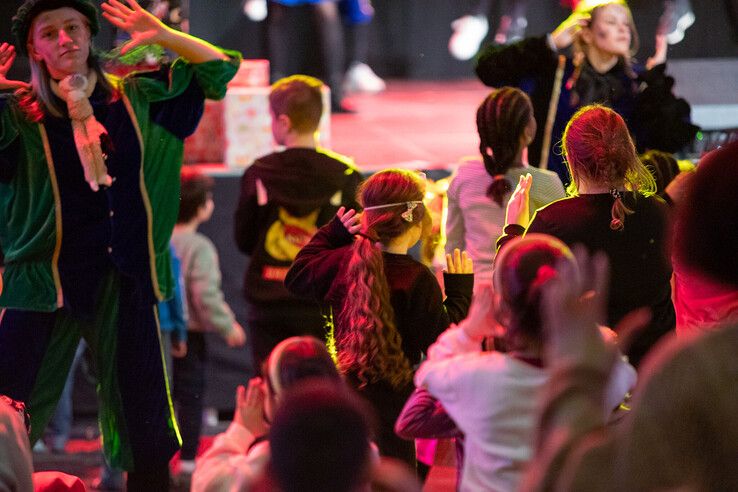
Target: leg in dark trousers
{"type": "Point", "coordinates": [327, 22]}
{"type": "Point", "coordinates": [189, 388]}
{"type": "Point", "coordinates": [155, 479]}
{"type": "Point", "coordinates": [279, 40]}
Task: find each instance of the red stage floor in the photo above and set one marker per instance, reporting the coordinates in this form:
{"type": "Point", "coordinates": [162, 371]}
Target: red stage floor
{"type": "Point", "coordinates": [413, 124]}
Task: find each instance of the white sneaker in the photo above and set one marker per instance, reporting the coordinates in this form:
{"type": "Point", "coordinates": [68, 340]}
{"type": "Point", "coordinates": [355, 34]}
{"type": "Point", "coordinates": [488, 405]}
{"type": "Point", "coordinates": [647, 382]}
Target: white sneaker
{"type": "Point", "coordinates": [210, 417]}
{"type": "Point", "coordinates": [469, 32]}
{"type": "Point", "coordinates": [683, 23]}
{"type": "Point", "coordinates": [187, 467]}
{"type": "Point", "coordinates": [677, 18]}
{"type": "Point", "coordinates": [255, 10]}
{"type": "Point", "coordinates": [361, 78]}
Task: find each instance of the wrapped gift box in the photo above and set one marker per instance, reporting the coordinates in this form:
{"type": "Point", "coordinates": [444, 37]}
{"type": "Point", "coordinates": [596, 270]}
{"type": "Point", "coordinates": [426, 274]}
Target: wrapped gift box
{"type": "Point", "coordinates": [251, 73]}
{"type": "Point", "coordinates": [208, 143]}
{"type": "Point", "coordinates": [238, 129]}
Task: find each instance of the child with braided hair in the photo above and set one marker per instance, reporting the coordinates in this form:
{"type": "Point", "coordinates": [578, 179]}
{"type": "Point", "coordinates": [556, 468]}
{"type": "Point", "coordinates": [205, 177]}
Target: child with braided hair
{"type": "Point", "coordinates": [480, 187]}
{"type": "Point", "coordinates": [611, 209]}
{"type": "Point", "coordinates": [388, 308]}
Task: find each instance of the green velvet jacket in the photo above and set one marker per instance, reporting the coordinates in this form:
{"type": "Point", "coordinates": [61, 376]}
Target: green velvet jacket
{"type": "Point", "coordinates": [59, 237]}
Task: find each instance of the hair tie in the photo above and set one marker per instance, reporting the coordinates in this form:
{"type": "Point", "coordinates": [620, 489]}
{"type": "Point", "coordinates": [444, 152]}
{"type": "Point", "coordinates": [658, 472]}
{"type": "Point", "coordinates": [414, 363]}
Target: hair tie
{"type": "Point", "coordinates": [544, 274]}
{"type": "Point", "coordinates": [366, 234]}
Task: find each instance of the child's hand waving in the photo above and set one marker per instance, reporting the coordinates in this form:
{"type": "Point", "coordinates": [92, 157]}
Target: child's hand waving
{"type": "Point", "coordinates": [250, 407]}
{"type": "Point", "coordinates": [459, 262]}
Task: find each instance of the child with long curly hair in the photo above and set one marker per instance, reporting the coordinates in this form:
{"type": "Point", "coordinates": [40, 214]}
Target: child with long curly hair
{"type": "Point", "coordinates": [387, 307]}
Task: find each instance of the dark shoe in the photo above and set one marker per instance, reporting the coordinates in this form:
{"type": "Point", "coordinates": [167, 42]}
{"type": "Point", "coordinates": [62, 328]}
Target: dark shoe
{"type": "Point", "coordinates": [109, 479]}
{"type": "Point", "coordinates": [342, 107]}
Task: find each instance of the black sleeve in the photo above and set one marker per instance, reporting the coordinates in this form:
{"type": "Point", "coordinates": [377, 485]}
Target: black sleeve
{"type": "Point", "coordinates": [459, 288]}
{"type": "Point", "coordinates": [508, 233]}
{"type": "Point", "coordinates": [538, 224]}
{"type": "Point", "coordinates": [498, 66]}
{"type": "Point", "coordinates": [661, 120]}
{"type": "Point", "coordinates": [319, 261]}
{"type": "Point", "coordinates": [247, 217]}
{"type": "Point", "coordinates": [181, 114]}
{"type": "Point", "coordinates": [431, 314]}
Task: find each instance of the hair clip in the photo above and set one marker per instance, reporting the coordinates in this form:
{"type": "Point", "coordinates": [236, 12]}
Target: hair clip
{"type": "Point", "coordinates": [408, 214]}
{"type": "Point", "coordinates": [616, 194]}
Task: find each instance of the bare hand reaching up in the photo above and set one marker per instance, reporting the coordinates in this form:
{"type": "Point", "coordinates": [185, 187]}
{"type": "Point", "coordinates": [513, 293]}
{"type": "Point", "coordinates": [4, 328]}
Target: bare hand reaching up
{"type": "Point", "coordinates": [518, 207]}
{"type": "Point", "coordinates": [459, 262]}
{"type": "Point", "coordinates": [350, 219]}
{"type": "Point", "coordinates": [142, 25]}
{"type": "Point", "coordinates": [7, 57]}
{"type": "Point", "coordinates": [574, 304]}
{"type": "Point", "coordinates": [250, 407]}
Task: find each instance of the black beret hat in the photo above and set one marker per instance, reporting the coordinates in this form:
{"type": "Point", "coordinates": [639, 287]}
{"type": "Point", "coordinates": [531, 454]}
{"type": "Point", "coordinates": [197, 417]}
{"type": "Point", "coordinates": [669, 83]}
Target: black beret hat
{"type": "Point", "coordinates": [31, 8]}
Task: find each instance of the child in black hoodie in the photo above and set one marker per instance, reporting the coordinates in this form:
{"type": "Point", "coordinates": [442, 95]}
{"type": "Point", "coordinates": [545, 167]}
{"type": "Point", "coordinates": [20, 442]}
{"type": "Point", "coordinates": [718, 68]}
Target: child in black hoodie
{"type": "Point", "coordinates": [285, 197]}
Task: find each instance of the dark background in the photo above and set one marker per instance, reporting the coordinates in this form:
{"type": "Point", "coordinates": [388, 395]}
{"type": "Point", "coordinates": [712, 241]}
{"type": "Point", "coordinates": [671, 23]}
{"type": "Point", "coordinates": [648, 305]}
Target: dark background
{"type": "Point", "coordinates": [409, 37]}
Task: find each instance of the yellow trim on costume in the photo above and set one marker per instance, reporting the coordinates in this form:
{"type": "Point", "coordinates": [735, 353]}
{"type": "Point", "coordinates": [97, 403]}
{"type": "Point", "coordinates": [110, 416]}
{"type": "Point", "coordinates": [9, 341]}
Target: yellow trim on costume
{"type": "Point", "coordinates": [57, 215]}
{"type": "Point", "coordinates": [172, 414]}
{"type": "Point", "coordinates": [146, 200]}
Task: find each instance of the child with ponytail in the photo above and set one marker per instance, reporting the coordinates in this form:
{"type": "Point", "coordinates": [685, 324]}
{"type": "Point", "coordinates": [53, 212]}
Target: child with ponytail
{"type": "Point", "coordinates": [612, 208]}
{"type": "Point", "coordinates": [387, 308]}
{"type": "Point", "coordinates": [480, 187]}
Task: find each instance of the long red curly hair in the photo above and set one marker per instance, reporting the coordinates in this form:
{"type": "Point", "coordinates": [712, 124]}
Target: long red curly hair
{"type": "Point", "coordinates": [367, 340]}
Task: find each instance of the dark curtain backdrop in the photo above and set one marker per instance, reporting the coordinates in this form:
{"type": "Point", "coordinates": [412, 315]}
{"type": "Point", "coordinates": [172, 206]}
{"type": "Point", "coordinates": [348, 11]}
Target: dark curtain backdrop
{"type": "Point", "coordinates": [409, 37]}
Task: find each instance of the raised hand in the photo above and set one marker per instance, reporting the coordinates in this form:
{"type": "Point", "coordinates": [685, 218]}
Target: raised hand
{"type": "Point", "coordinates": [7, 57]}
{"type": "Point", "coordinates": [574, 304]}
{"type": "Point", "coordinates": [459, 262]}
{"type": "Point", "coordinates": [566, 33]}
{"type": "Point", "coordinates": [250, 407]}
{"type": "Point", "coordinates": [518, 206]}
{"type": "Point", "coordinates": [659, 55]}
{"type": "Point", "coordinates": [143, 26]}
{"type": "Point", "coordinates": [350, 219]}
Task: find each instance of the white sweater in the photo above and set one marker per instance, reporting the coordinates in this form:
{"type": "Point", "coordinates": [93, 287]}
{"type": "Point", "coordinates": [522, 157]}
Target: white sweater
{"type": "Point", "coordinates": [474, 221]}
{"type": "Point", "coordinates": [493, 398]}
{"type": "Point", "coordinates": [229, 464]}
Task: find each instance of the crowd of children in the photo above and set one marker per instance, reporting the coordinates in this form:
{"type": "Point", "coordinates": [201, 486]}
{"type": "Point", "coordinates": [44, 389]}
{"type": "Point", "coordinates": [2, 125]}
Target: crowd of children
{"type": "Point", "coordinates": [564, 373]}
